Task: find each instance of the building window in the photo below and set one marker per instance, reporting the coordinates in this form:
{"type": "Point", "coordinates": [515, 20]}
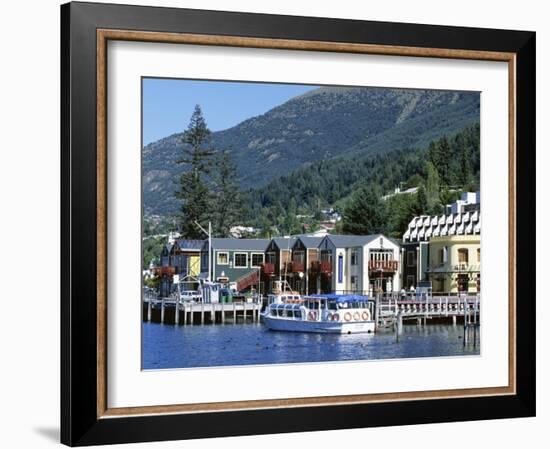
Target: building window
{"type": "Point", "coordinates": [257, 259]}
{"type": "Point", "coordinates": [411, 258]}
{"type": "Point", "coordinates": [223, 258]}
{"type": "Point", "coordinates": [462, 282]}
{"type": "Point", "coordinates": [354, 257]}
{"type": "Point", "coordinates": [463, 255]}
{"type": "Point", "coordinates": [353, 280]}
{"type": "Point", "coordinates": [410, 281]}
{"type": "Point", "coordinates": [240, 260]}
{"type": "Point", "coordinates": [270, 257]}
{"type": "Point", "coordinates": [443, 255]}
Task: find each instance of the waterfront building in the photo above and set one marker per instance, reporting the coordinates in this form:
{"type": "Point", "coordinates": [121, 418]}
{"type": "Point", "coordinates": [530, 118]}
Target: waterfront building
{"type": "Point", "coordinates": [363, 264]}
{"type": "Point", "coordinates": [414, 256]}
{"type": "Point", "coordinates": [454, 264]}
{"type": "Point", "coordinates": [304, 266]}
{"type": "Point", "coordinates": [277, 256]}
{"type": "Point", "coordinates": [182, 257]}
{"type": "Point", "coordinates": [235, 261]}
{"type": "Point", "coordinates": [426, 234]}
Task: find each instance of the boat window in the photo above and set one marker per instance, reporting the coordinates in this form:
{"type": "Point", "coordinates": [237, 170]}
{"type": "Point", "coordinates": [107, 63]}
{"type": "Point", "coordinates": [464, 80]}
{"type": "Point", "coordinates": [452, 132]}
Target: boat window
{"type": "Point", "coordinates": [332, 305]}
{"type": "Point", "coordinates": [273, 312]}
{"type": "Point", "coordinates": [298, 314]}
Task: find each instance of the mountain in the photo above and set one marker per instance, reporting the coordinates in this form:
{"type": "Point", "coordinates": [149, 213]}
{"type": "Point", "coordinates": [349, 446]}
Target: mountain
{"type": "Point", "coordinates": [320, 125]}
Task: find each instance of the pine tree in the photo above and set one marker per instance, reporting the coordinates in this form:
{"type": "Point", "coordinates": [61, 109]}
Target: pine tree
{"type": "Point", "coordinates": [421, 203]}
{"type": "Point", "coordinates": [194, 191]}
{"type": "Point", "coordinates": [291, 223]}
{"type": "Point", "coordinates": [465, 168]}
{"type": "Point", "coordinates": [432, 188]}
{"type": "Point", "coordinates": [227, 197]}
{"type": "Point", "coordinates": [445, 155]}
{"type": "Point", "coordinates": [365, 213]}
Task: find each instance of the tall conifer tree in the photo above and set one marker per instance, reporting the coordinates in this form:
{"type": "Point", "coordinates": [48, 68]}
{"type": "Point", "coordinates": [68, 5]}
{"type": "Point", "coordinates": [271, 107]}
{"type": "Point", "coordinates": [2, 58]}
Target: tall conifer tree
{"type": "Point", "coordinates": [194, 191]}
{"type": "Point", "coordinates": [227, 197]}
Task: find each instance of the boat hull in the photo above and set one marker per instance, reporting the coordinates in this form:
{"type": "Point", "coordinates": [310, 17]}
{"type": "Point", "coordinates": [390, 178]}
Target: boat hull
{"type": "Point", "coordinates": [320, 327]}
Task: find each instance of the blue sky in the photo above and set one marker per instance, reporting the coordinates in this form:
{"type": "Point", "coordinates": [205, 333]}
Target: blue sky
{"type": "Point", "coordinates": [169, 103]}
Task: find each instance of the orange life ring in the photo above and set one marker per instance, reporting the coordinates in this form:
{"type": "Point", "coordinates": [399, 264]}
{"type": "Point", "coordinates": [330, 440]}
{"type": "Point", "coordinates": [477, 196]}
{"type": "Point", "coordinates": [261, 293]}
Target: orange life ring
{"type": "Point", "coordinates": [347, 316]}
{"type": "Point", "coordinates": [356, 316]}
{"type": "Point", "coordinates": [335, 317]}
{"type": "Point", "coordinates": [365, 315]}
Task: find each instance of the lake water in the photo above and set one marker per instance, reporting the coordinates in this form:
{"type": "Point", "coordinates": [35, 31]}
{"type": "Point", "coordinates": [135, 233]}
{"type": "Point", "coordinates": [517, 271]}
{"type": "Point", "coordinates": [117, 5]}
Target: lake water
{"type": "Point", "coordinates": [169, 346]}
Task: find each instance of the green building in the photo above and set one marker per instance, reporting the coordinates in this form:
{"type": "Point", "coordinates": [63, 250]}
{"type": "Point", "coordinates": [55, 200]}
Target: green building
{"type": "Point", "coordinates": [236, 261]}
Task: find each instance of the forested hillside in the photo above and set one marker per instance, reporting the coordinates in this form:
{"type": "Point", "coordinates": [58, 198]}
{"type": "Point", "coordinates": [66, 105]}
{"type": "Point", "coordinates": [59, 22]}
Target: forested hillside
{"type": "Point", "coordinates": [316, 128]}
{"type": "Point", "coordinates": [441, 170]}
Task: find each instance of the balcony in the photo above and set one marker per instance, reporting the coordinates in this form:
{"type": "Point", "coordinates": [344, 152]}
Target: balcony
{"type": "Point", "coordinates": [297, 267]}
{"type": "Point", "coordinates": [165, 271]}
{"type": "Point", "coordinates": [325, 266]}
{"type": "Point", "coordinates": [383, 265]}
{"type": "Point", "coordinates": [268, 268]}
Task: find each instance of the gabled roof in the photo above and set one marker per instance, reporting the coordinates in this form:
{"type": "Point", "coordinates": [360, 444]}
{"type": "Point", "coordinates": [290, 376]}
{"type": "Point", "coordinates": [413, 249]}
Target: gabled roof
{"type": "Point", "coordinates": [238, 244]}
{"type": "Point", "coordinates": [189, 244]}
{"type": "Point", "coordinates": [284, 242]}
{"type": "Point", "coordinates": [311, 242]}
{"type": "Point", "coordinates": [349, 241]}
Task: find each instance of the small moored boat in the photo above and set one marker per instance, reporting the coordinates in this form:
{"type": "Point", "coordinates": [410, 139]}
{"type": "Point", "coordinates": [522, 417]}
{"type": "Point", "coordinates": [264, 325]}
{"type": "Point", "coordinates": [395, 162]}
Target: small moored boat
{"type": "Point", "coordinates": [338, 314]}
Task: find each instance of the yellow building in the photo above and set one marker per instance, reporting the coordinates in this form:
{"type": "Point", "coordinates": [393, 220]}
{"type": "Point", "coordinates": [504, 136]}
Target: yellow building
{"type": "Point", "coordinates": [454, 263]}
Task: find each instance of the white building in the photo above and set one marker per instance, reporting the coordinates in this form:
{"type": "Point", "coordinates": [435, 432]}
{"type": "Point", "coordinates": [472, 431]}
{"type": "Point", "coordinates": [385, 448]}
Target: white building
{"type": "Point", "coordinates": [362, 264]}
{"type": "Point", "coordinates": [462, 218]}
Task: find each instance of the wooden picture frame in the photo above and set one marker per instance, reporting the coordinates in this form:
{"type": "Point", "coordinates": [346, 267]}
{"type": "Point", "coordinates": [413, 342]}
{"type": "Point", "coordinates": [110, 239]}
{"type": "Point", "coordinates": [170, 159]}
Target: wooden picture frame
{"type": "Point", "coordinates": [86, 29]}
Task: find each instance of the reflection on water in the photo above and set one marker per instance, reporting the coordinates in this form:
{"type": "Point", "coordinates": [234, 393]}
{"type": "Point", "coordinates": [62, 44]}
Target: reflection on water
{"type": "Point", "coordinates": [169, 346]}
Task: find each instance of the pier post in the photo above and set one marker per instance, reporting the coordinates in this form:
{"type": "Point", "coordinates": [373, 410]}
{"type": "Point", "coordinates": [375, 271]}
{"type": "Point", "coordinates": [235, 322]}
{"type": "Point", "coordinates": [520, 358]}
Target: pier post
{"type": "Point", "coordinates": [454, 320]}
{"type": "Point", "coordinates": [162, 311]}
{"type": "Point", "coordinates": [202, 312]}
{"type": "Point", "coordinates": [234, 313]}
{"type": "Point", "coordinates": [399, 323]}
{"type": "Point", "coordinates": [191, 318]}
{"type": "Point", "coordinates": [149, 309]}
{"type": "Point", "coordinates": [223, 313]}
{"type": "Point", "coordinates": [466, 320]}
{"type": "Point", "coordinates": [184, 315]}
{"type": "Point", "coordinates": [177, 314]}
{"type": "Point", "coordinates": [376, 312]}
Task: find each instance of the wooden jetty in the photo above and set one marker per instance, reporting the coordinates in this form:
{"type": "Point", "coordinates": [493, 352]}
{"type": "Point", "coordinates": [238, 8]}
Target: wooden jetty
{"type": "Point", "coordinates": [168, 310]}
{"type": "Point", "coordinates": [391, 309]}
{"type": "Point", "coordinates": [391, 312]}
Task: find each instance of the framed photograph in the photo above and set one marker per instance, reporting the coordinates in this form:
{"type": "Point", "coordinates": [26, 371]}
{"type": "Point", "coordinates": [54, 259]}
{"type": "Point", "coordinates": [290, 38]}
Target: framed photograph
{"type": "Point", "coordinates": [274, 224]}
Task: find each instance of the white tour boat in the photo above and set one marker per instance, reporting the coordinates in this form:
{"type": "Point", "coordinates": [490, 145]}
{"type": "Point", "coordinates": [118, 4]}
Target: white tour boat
{"type": "Point", "coordinates": [338, 314]}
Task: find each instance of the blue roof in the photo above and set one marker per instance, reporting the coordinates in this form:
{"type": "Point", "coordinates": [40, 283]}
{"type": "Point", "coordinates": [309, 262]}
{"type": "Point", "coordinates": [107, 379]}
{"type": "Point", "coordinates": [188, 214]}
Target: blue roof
{"type": "Point", "coordinates": [342, 298]}
{"type": "Point", "coordinates": [311, 242]}
{"type": "Point", "coordinates": [190, 244]}
{"type": "Point", "coordinates": [284, 242]}
{"type": "Point", "coordinates": [350, 241]}
{"type": "Point", "coordinates": [238, 244]}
